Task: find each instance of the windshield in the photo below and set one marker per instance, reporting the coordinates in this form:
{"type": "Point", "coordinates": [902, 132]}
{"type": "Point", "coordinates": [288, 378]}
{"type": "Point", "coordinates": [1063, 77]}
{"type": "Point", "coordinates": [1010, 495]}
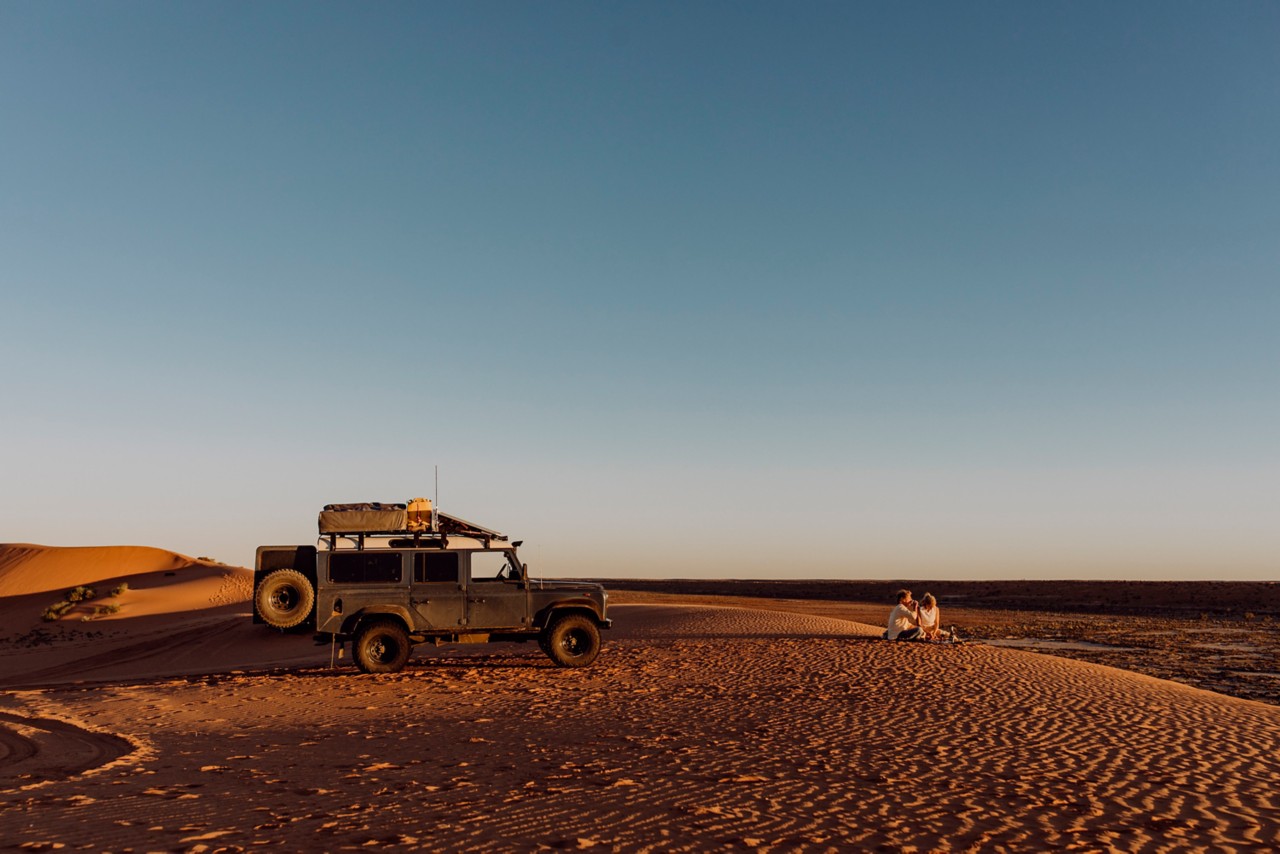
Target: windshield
{"type": "Point", "coordinates": [495, 566]}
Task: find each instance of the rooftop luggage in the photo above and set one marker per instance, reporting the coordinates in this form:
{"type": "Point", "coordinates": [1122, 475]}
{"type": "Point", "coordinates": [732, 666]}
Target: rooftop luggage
{"type": "Point", "coordinates": [368, 517]}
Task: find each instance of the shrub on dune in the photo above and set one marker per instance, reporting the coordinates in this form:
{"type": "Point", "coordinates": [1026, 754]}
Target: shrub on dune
{"type": "Point", "coordinates": [56, 611]}
{"type": "Point", "coordinates": [81, 594]}
{"type": "Point", "coordinates": [102, 611]}
{"type": "Point", "coordinates": [75, 595]}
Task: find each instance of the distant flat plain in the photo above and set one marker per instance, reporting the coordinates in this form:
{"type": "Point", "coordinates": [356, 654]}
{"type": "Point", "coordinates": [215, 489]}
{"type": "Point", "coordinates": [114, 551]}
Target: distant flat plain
{"type": "Point", "coordinates": [1222, 636]}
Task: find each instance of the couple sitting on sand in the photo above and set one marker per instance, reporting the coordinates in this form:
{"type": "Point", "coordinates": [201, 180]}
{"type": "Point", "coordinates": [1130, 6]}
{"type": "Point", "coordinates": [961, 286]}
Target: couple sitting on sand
{"type": "Point", "coordinates": [917, 621]}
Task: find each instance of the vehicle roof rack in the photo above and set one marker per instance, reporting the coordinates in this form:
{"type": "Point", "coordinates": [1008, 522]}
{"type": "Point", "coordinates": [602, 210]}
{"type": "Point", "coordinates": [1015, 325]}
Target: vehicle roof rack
{"type": "Point", "coordinates": [382, 525]}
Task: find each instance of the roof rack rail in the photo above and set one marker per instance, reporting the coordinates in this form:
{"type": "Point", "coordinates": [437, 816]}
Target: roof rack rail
{"type": "Point", "coordinates": [358, 524]}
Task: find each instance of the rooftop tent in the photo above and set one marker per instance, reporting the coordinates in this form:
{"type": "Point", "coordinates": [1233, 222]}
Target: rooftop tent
{"type": "Point", "coordinates": [368, 518]}
{"type": "Point", "coordinates": [381, 518]}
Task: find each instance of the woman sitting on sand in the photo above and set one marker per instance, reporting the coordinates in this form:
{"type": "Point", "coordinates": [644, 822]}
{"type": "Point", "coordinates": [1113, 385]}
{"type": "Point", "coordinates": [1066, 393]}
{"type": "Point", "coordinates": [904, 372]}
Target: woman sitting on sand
{"type": "Point", "coordinates": [930, 616]}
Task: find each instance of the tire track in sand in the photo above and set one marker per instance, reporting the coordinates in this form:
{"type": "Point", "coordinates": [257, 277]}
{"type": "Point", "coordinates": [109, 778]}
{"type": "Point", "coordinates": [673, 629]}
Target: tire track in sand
{"type": "Point", "coordinates": [167, 644]}
{"type": "Point", "coordinates": [38, 750]}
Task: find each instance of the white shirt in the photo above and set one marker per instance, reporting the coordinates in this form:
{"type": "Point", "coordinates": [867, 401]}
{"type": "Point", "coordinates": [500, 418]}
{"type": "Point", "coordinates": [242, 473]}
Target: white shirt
{"type": "Point", "coordinates": [928, 618]}
{"type": "Point", "coordinates": [901, 618]}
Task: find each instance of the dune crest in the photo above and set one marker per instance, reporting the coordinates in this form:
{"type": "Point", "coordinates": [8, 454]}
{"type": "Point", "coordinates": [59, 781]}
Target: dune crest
{"type": "Point", "coordinates": [27, 568]}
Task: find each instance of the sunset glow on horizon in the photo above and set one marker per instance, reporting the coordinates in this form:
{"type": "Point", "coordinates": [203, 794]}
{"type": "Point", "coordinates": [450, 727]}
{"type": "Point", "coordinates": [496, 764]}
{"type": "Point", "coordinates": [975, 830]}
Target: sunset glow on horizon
{"type": "Point", "coordinates": [724, 290]}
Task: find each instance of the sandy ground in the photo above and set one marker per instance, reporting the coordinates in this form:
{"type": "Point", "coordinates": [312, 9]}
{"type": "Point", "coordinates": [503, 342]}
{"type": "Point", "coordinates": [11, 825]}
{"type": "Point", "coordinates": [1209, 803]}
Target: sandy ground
{"type": "Point", "coordinates": [699, 727]}
{"type": "Point", "coordinates": [1238, 654]}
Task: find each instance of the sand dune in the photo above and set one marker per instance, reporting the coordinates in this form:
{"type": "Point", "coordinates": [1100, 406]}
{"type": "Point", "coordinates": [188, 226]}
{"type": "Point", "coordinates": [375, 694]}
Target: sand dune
{"type": "Point", "coordinates": [177, 616]}
{"type": "Point", "coordinates": [698, 728]}
{"type": "Point", "coordinates": [28, 568]}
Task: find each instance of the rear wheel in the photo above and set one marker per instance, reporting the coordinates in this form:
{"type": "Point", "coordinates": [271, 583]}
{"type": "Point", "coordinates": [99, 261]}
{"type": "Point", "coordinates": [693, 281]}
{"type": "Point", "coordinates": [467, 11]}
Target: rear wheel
{"type": "Point", "coordinates": [572, 641]}
{"type": "Point", "coordinates": [381, 647]}
{"type": "Point", "coordinates": [285, 598]}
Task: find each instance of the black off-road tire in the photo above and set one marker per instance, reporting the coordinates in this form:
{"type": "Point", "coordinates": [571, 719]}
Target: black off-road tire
{"type": "Point", "coordinates": [285, 598]}
{"type": "Point", "coordinates": [572, 641]}
{"type": "Point", "coordinates": [381, 647]}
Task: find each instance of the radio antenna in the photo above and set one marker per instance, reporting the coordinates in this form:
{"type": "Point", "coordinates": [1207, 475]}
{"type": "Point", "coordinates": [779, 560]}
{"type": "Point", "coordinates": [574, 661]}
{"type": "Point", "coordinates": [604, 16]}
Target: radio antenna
{"type": "Point", "coordinates": [435, 505]}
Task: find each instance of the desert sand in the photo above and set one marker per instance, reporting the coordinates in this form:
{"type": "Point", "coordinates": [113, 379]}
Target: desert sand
{"type": "Point", "coordinates": [701, 726]}
{"type": "Point", "coordinates": [1197, 633]}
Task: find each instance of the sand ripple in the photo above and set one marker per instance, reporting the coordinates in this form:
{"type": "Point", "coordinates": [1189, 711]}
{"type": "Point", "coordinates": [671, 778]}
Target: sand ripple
{"type": "Point", "coordinates": [698, 728]}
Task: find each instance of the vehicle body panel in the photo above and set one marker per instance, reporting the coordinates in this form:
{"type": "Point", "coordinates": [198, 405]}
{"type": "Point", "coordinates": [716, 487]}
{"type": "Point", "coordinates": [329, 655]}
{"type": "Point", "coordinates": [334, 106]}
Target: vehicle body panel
{"type": "Point", "coordinates": [468, 590]}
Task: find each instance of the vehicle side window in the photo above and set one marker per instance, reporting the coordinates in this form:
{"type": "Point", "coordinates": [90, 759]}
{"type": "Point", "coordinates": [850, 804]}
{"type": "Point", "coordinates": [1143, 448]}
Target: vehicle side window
{"type": "Point", "coordinates": [435, 566]}
{"type": "Point", "coordinates": [491, 566]}
{"type": "Point", "coordinates": [365, 568]}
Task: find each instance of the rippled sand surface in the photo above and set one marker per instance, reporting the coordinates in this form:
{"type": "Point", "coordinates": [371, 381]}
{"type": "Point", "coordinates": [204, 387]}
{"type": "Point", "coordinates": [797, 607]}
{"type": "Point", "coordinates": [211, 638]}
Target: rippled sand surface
{"type": "Point", "coordinates": [698, 728]}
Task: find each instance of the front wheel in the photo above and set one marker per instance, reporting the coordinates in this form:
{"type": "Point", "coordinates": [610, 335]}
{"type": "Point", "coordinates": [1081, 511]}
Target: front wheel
{"type": "Point", "coordinates": [381, 647]}
{"type": "Point", "coordinates": [572, 641]}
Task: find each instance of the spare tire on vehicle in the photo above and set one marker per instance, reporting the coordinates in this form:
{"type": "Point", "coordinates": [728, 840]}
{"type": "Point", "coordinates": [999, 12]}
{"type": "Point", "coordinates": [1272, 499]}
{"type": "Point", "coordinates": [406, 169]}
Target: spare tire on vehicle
{"type": "Point", "coordinates": [285, 598]}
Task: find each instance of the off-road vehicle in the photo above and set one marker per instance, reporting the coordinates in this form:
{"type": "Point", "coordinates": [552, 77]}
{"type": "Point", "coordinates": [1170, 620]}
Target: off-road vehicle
{"type": "Point", "coordinates": [384, 577]}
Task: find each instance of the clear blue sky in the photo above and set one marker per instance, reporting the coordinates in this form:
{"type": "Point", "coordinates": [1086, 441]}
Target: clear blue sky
{"type": "Point", "coordinates": [687, 289]}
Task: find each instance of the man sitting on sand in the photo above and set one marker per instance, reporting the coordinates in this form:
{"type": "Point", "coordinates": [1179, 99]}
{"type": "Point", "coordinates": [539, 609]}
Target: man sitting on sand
{"type": "Point", "coordinates": [904, 619]}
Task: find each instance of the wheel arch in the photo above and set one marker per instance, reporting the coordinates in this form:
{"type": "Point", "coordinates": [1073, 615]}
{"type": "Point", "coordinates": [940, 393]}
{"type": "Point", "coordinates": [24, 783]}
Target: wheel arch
{"type": "Point", "coordinates": [393, 613]}
{"type": "Point", "coordinates": [556, 610]}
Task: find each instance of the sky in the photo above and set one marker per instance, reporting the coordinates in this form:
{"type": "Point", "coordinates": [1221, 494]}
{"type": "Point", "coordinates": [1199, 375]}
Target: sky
{"type": "Point", "coordinates": [707, 289]}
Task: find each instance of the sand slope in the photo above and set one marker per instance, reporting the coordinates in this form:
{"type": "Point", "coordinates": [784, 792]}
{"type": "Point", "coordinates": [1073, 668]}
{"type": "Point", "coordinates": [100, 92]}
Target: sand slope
{"type": "Point", "coordinates": [698, 728]}
{"type": "Point", "coordinates": [28, 568]}
{"type": "Point", "coordinates": [177, 616]}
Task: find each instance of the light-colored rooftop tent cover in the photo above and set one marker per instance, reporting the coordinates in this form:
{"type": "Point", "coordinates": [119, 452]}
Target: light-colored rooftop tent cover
{"type": "Point", "coordinates": [383, 521]}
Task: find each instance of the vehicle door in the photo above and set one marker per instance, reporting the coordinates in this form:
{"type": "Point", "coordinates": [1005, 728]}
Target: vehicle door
{"type": "Point", "coordinates": [438, 593]}
{"type": "Point", "coordinates": [497, 594]}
